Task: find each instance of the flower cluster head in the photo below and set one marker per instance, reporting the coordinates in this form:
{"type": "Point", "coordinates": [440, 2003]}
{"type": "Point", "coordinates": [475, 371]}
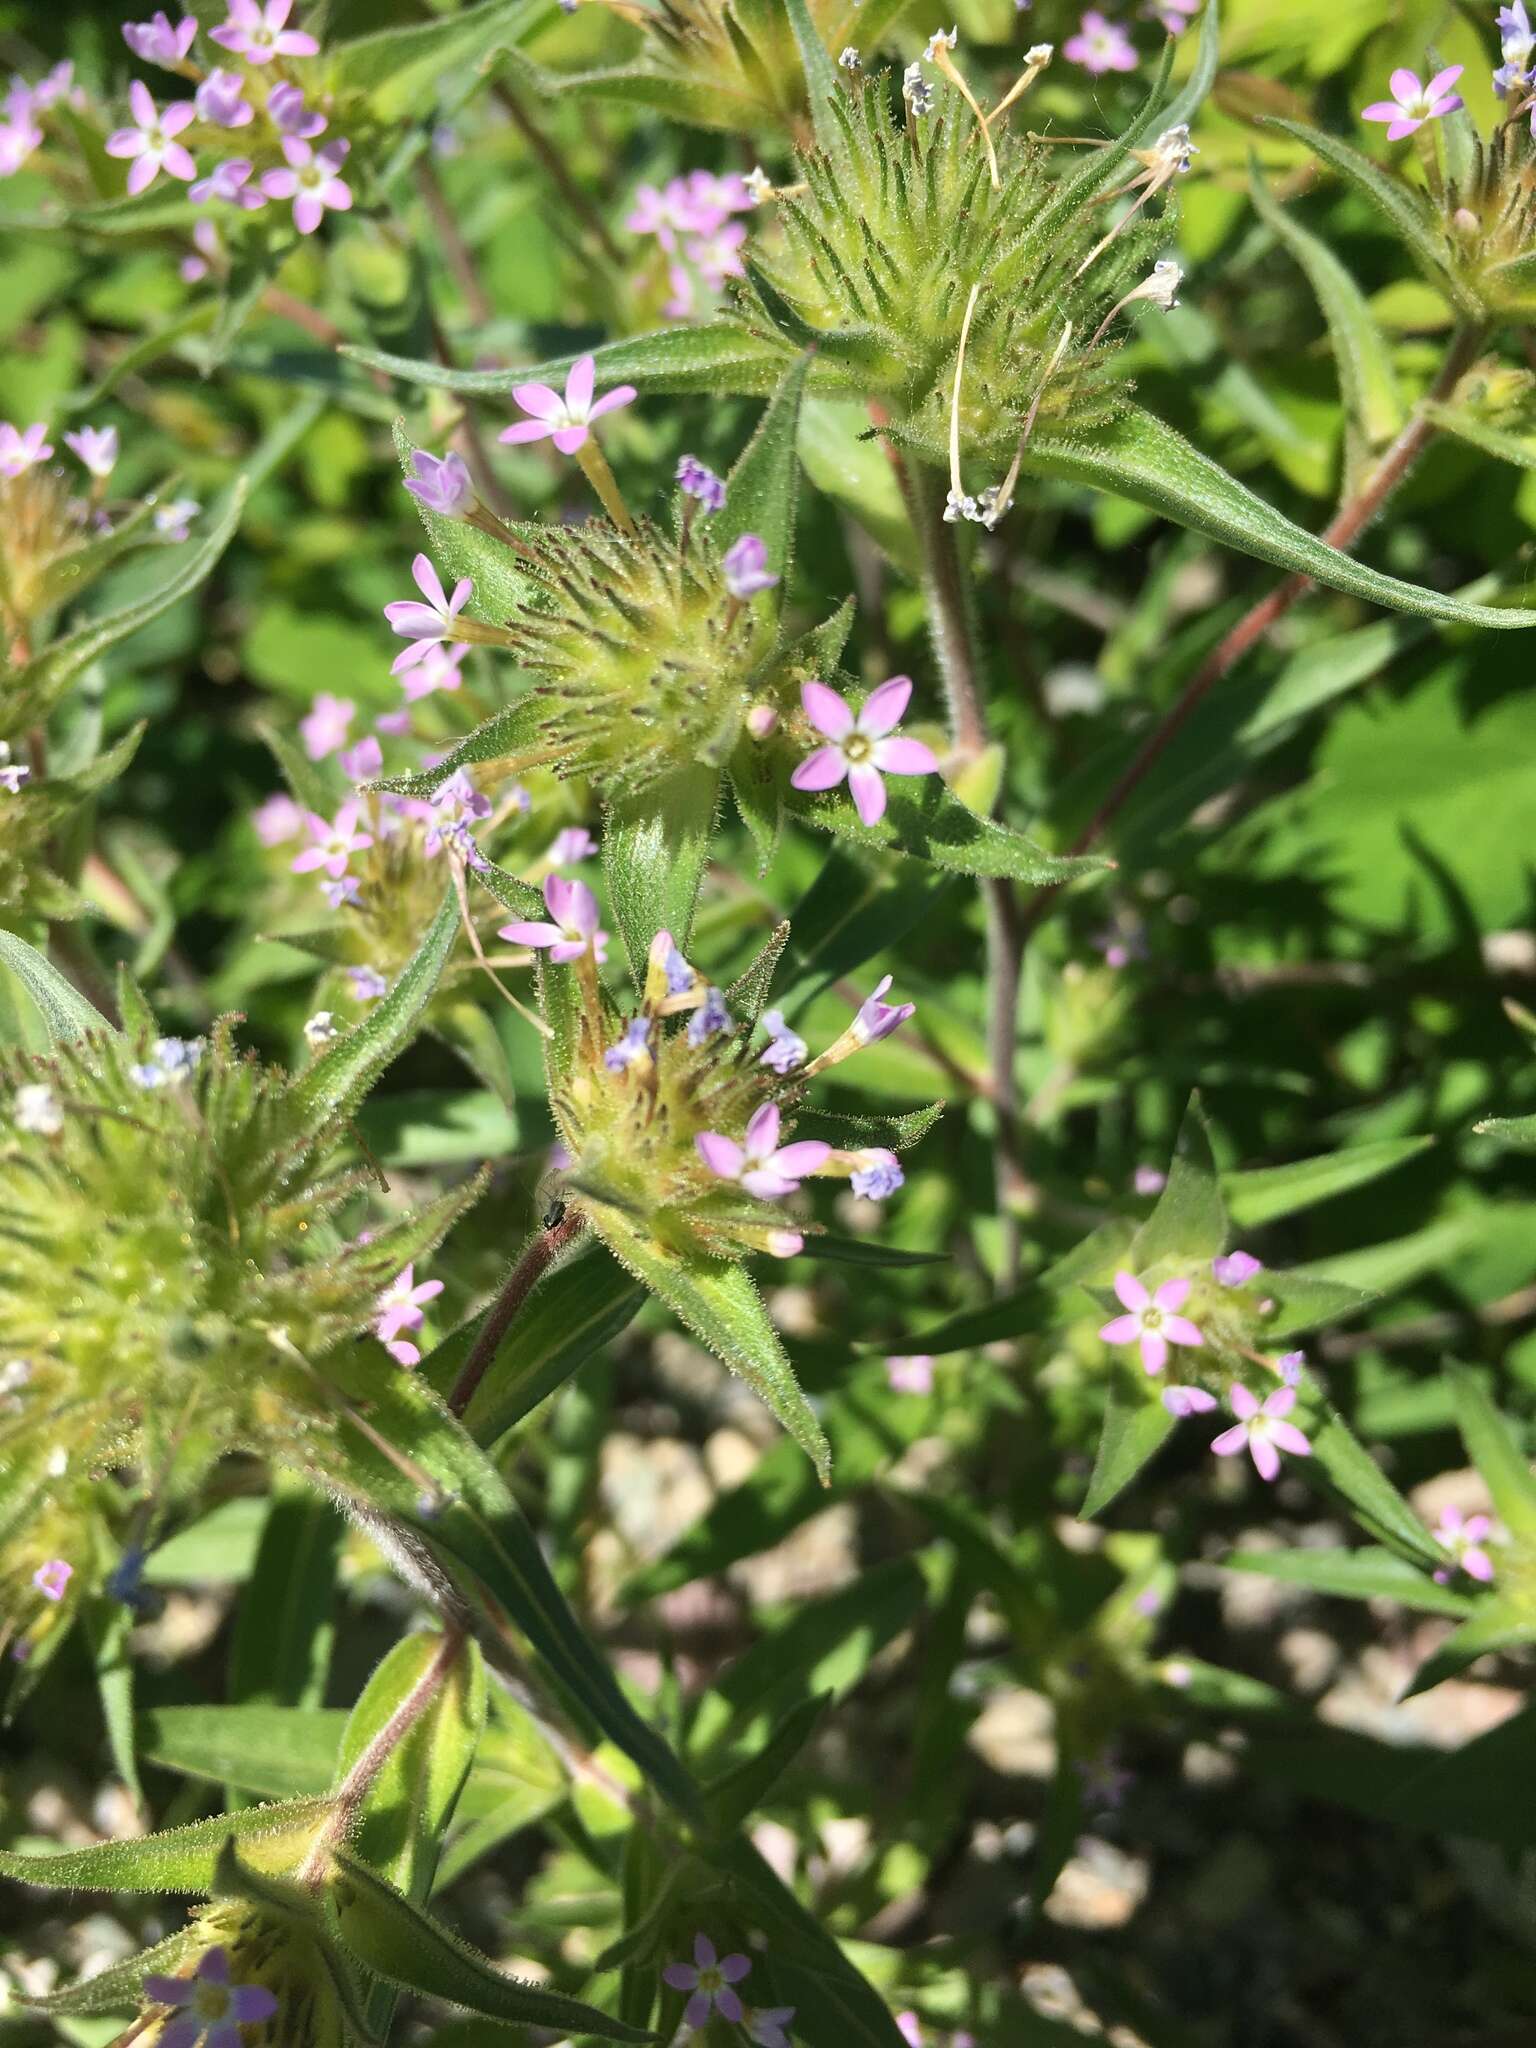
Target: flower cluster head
{"type": "Point", "coordinates": [699, 242]}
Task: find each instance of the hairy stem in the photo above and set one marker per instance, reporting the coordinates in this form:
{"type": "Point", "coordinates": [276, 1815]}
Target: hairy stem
{"type": "Point", "coordinates": [538, 1255]}
{"type": "Point", "coordinates": [1345, 528]}
{"type": "Point", "coordinates": [456, 251]}
{"type": "Point", "coordinates": [576, 199]}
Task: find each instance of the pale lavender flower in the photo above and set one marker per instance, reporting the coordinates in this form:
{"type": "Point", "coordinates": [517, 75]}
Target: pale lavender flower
{"type": "Point", "coordinates": [456, 804]}
{"type": "Point", "coordinates": [210, 2009]}
{"type": "Point", "coordinates": [290, 115]}
{"type": "Point", "coordinates": [632, 1048]}
{"type": "Point", "coordinates": [1465, 1537]}
{"type": "Point", "coordinates": [717, 255]}
{"type": "Point", "coordinates": [52, 1579]}
{"type": "Point", "coordinates": [680, 976]}
{"type": "Point", "coordinates": [326, 725]}
{"type": "Point", "coordinates": [1182, 1401]}
{"type": "Point", "coordinates": [711, 1016]}
{"type": "Point", "coordinates": [768, 2027]}
{"type": "Point", "coordinates": [1149, 1180]}
{"type": "Point", "coordinates": [430, 624]}
{"type": "Point", "coordinates": [230, 182]}
{"type": "Point", "coordinates": [679, 305]}
{"type": "Point", "coordinates": [438, 669]}
{"type": "Point", "coordinates": [344, 890]}
{"type": "Point", "coordinates": [696, 480]}
{"type": "Point", "coordinates": [564, 420]}
{"type": "Point", "coordinates": [23, 450]}
{"type": "Point", "coordinates": [745, 564]}
{"type": "Point", "coordinates": [152, 143]}
{"type": "Point", "coordinates": [1236, 1269]}
{"type": "Point", "coordinates": [367, 984]}
{"type": "Point", "coordinates": [259, 33]}
{"type": "Point", "coordinates": [19, 137]}
{"type": "Point", "coordinates": [863, 747]}
{"type": "Point", "coordinates": [362, 761]}
{"type": "Point", "coordinates": [574, 930]}
{"type": "Point", "coordinates": [12, 775]}
{"type": "Point", "coordinates": [441, 483]}
{"type": "Point", "coordinates": [664, 214]}
{"type": "Point", "coordinates": [1261, 1429]}
{"type": "Point", "coordinates": [402, 1304]}
{"type": "Point", "coordinates": [160, 40]}
{"type": "Point", "coordinates": [311, 179]}
{"type": "Point", "coordinates": [876, 1018]}
{"type": "Point", "coordinates": [711, 196]}
{"type": "Point", "coordinates": [1100, 45]}
{"type": "Point", "coordinates": [96, 448]}
{"type": "Point", "coordinates": [877, 1175]}
{"type": "Point", "coordinates": [220, 99]}
{"type": "Point", "coordinates": [396, 724]}
{"type": "Point", "coordinates": [910, 1373]}
{"type": "Point", "coordinates": [1174, 15]}
{"type": "Point", "coordinates": [709, 1978]}
{"type": "Point", "coordinates": [570, 844]}
{"type": "Point", "coordinates": [334, 841]}
{"type": "Point", "coordinates": [36, 1110]}
{"type": "Point", "coordinates": [278, 819]}
{"type": "Point", "coordinates": [785, 1048]}
{"type": "Point", "coordinates": [173, 520]}
{"type": "Point", "coordinates": [1413, 103]}
{"type": "Point", "coordinates": [910, 2028]}
{"type": "Point", "coordinates": [761, 1165]}
{"type": "Point", "coordinates": [321, 1029]}
{"type": "Point", "coordinates": [1291, 1365]}
{"type": "Point", "coordinates": [1152, 1321]}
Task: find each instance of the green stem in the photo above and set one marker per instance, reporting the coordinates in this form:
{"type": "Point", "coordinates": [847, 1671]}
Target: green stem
{"type": "Point", "coordinates": [538, 1255]}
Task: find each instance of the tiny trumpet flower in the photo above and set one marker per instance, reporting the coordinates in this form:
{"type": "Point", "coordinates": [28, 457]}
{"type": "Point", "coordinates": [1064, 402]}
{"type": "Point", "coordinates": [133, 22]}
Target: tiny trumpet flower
{"type": "Point", "coordinates": [334, 842]}
{"type": "Point", "coordinates": [52, 1579]}
{"type": "Point", "coordinates": [632, 1049]}
{"type": "Point", "coordinates": [876, 1173]}
{"type": "Point", "coordinates": [229, 182]}
{"type": "Point", "coordinates": [709, 1978]}
{"type": "Point", "coordinates": [695, 480]}
{"type": "Point", "coordinates": [1262, 1429]}
{"type": "Point", "coordinates": [152, 143]}
{"type": "Point", "coordinates": [438, 669]}
{"type": "Point", "coordinates": [567, 420]}
{"type": "Point", "coordinates": [1466, 1538]}
{"type": "Point", "coordinates": [1413, 103]}
{"type": "Point", "coordinates": [290, 116]}
{"type": "Point", "coordinates": [785, 1049]}
{"type": "Point", "coordinates": [761, 1165]}
{"type": "Point", "coordinates": [220, 99]}
{"type": "Point", "coordinates": [23, 449]}
{"type": "Point", "coordinates": [259, 33]}
{"type": "Point", "coordinates": [1182, 1401]}
{"type": "Point", "coordinates": [861, 747]}
{"type": "Point", "coordinates": [574, 932]}
{"type": "Point", "coordinates": [430, 624]}
{"type": "Point", "coordinates": [1235, 1269]}
{"type": "Point", "coordinates": [1100, 45]}
{"type": "Point", "coordinates": [875, 1019]}
{"type": "Point", "coordinates": [769, 2027]}
{"type": "Point", "coordinates": [745, 563]}
{"type": "Point", "coordinates": [173, 520]}
{"type": "Point", "coordinates": [442, 483]}
{"type": "Point", "coordinates": [96, 449]}
{"type": "Point", "coordinates": [210, 2010]}
{"type": "Point", "coordinates": [311, 179]}
{"type": "Point", "coordinates": [1152, 1321]}
{"type": "Point", "coordinates": [160, 40]}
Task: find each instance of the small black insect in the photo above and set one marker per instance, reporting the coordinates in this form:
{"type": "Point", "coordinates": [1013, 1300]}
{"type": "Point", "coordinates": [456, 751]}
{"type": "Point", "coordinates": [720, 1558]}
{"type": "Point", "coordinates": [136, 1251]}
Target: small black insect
{"type": "Point", "coordinates": [554, 1215]}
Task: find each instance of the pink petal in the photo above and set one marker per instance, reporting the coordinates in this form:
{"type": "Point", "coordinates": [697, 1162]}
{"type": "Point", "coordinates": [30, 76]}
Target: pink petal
{"type": "Point", "coordinates": [1130, 1292]}
{"type": "Point", "coordinates": [183, 2033]}
{"type": "Point", "coordinates": [724, 1156]}
{"type": "Point", "coordinates": [142, 102]}
{"type": "Point", "coordinates": [125, 142]}
{"type": "Point", "coordinates": [142, 174]}
{"type": "Point", "coordinates": [460, 597]}
{"type": "Point", "coordinates": [168, 1990]}
{"type": "Point", "coordinates": [733, 1969]}
{"type": "Point", "coordinates": [1403, 126]}
{"type": "Point", "coordinates": [1180, 1330]}
{"type": "Point", "coordinates": [567, 950]}
{"type": "Point", "coordinates": [1475, 1528]}
{"type": "Point", "coordinates": [905, 757]}
{"type": "Point", "coordinates": [1289, 1438]}
{"type": "Point", "coordinates": [1443, 81]}
{"type": "Point", "coordinates": [1477, 1564]}
{"type": "Point", "coordinates": [429, 583]}
{"type": "Point", "coordinates": [1154, 1351]}
{"type": "Point", "coordinates": [1405, 85]}
{"type": "Point", "coordinates": [1245, 1405]}
{"type": "Point", "coordinates": [1281, 1401]}
{"type": "Point", "coordinates": [559, 897]}
{"type": "Point", "coordinates": [763, 1130]}
{"type": "Point", "coordinates": [868, 792]}
{"type": "Point", "coordinates": [414, 621]}
{"type": "Point", "coordinates": [681, 1976]}
{"type": "Point", "coordinates": [337, 196]}
{"type": "Point", "coordinates": [178, 162]}
{"type": "Point", "coordinates": [806, 1155]}
{"type": "Point", "coordinates": [1381, 110]}
{"type": "Point", "coordinates": [248, 2002]}
{"type": "Point", "coordinates": [883, 708]}
{"type": "Point", "coordinates": [297, 42]}
{"type": "Point", "coordinates": [528, 933]}
{"type": "Point", "coordinates": [297, 151]}
{"type": "Point", "coordinates": [540, 400]}
{"type": "Point", "coordinates": [307, 213]}
{"type": "Point", "coordinates": [697, 2010]}
{"type": "Point", "coordinates": [621, 394]}
{"type": "Point", "coordinates": [830, 713]}
{"type": "Point", "coordinates": [279, 184]}
{"type": "Point", "coordinates": [767, 1185]}
{"type": "Point", "coordinates": [214, 1967]}
{"type": "Point", "coordinates": [1265, 1456]}
{"type": "Point", "coordinates": [569, 439]}
{"type": "Point", "coordinates": [1172, 1293]}
{"type": "Point", "coordinates": [822, 770]}
{"type": "Point", "coordinates": [525, 430]}
{"type": "Point", "coordinates": [579, 385]}
{"type": "Point", "coordinates": [176, 117]}
{"type": "Point", "coordinates": [703, 1948]}
{"type": "Point", "coordinates": [729, 2005]}
{"type": "Point", "coordinates": [1230, 1442]}
{"type": "Point", "coordinates": [1448, 105]}
{"type": "Point", "coordinates": [1123, 1330]}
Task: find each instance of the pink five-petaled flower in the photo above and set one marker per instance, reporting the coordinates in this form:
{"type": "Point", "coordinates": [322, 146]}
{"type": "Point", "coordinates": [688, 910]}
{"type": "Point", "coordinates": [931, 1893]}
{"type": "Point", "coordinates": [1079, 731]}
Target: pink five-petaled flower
{"type": "Point", "coordinates": [22, 450]}
{"type": "Point", "coordinates": [1262, 1427]}
{"type": "Point", "coordinates": [211, 2009]}
{"type": "Point", "coordinates": [152, 144]}
{"type": "Point", "coordinates": [334, 843]}
{"type": "Point", "coordinates": [52, 1579]}
{"type": "Point", "coordinates": [762, 1165]}
{"type": "Point", "coordinates": [1464, 1537]}
{"type": "Point", "coordinates": [220, 99]}
{"type": "Point", "coordinates": [326, 725]}
{"type": "Point", "coordinates": [312, 180]}
{"type": "Point", "coordinates": [575, 929]}
{"type": "Point", "coordinates": [285, 103]}
{"type": "Point", "coordinates": [910, 1373]}
{"type": "Point", "coordinates": [709, 1978]}
{"type": "Point", "coordinates": [862, 747]}
{"type": "Point", "coordinates": [1412, 103]}
{"type": "Point", "coordinates": [258, 34]}
{"type": "Point", "coordinates": [96, 448]}
{"type": "Point", "coordinates": [400, 1306]}
{"type": "Point", "coordinates": [1100, 45]}
{"type": "Point", "coordinates": [1153, 1320]}
{"type": "Point", "coordinates": [430, 624]}
{"type": "Point", "coordinates": [565, 421]}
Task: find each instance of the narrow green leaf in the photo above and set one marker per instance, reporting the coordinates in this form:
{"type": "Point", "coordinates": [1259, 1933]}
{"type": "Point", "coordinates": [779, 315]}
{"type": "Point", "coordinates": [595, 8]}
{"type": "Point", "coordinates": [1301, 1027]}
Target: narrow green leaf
{"type": "Point", "coordinates": [1517, 1132]}
{"type": "Point", "coordinates": [747, 996]}
{"type": "Point", "coordinates": [706, 359]}
{"type": "Point", "coordinates": [411, 1801]}
{"type": "Point", "coordinates": [866, 1251]}
{"type": "Point", "coordinates": [273, 1752]}
{"type": "Point", "coordinates": [339, 1079]}
{"type": "Point", "coordinates": [1191, 96]}
{"type": "Point", "coordinates": [1263, 1194]}
{"type": "Point", "coordinates": [655, 849]}
{"type": "Point", "coordinates": [1366, 1574]}
{"type": "Point", "coordinates": [1143, 459]}
{"type": "Point", "coordinates": [1497, 1453]}
{"type": "Point", "coordinates": [1373, 402]}
{"type": "Point", "coordinates": [924, 819]}
{"type": "Point", "coordinates": [281, 1648]}
{"type": "Point", "coordinates": [1497, 1625]}
{"type": "Point", "coordinates": [1307, 1300]}
{"type": "Point", "coordinates": [1379, 1507]}
{"type": "Point", "coordinates": [107, 1627]}
{"type": "Point", "coordinates": [762, 488]}
{"type": "Point", "coordinates": [1190, 1220]}
{"type": "Point", "coordinates": [1518, 449]}
{"type": "Point", "coordinates": [400, 1943]}
{"type": "Point", "coordinates": [397, 68]}
{"type": "Point", "coordinates": [731, 1799]}
{"type": "Point", "coordinates": [38, 1007]}
{"type": "Point", "coordinates": [504, 736]}
{"type": "Point", "coordinates": [274, 1838]}
{"type": "Point", "coordinates": [722, 1308]}
{"type": "Point", "coordinates": [1400, 205]}
{"type": "Point", "coordinates": [822, 83]}
{"type": "Point", "coordinates": [824, 1647]}
{"type": "Point", "coordinates": [117, 1988]}
{"type": "Point", "coordinates": [1134, 1432]}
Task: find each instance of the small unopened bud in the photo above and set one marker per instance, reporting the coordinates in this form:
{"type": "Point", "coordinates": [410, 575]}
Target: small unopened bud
{"type": "Point", "coordinates": [761, 720]}
{"type": "Point", "coordinates": [759, 185]}
{"type": "Point", "coordinates": [1038, 55]}
{"type": "Point", "coordinates": [850, 60]}
{"type": "Point", "coordinates": [1465, 222]}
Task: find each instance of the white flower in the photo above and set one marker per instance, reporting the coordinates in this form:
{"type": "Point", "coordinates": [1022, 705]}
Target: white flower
{"type": "Point", "coordinates": [321, 1029]}
{"type": "Point", "coordinates": [939, 44]}
{"type": "Point", "coordinates": [36, 1108]}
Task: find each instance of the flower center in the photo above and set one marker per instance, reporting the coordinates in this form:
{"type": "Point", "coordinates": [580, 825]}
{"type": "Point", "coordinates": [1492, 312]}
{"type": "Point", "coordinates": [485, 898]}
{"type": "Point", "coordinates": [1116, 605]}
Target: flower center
{"type": "Point", "coordinates": [210, 2002]}
{"type": "Point", "coordinates": [857, 748]}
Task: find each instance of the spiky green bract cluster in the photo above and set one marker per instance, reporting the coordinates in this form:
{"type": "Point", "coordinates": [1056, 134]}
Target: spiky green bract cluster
{"type": "Point", "coordinates": [171, 1280]}
{"type": "Point", "coordinates": [644, 660]}
{"type": "Point", "coordinates": [283, 1952]}
{"type": "Point", "coordinates": [881, 249]}
{"type": "Point", "coordinates": [1489, 220]}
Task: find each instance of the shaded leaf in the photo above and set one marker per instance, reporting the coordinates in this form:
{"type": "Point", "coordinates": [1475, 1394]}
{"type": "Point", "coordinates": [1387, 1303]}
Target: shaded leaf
{"type": "Point", "coordinates": [274, 1838]}
{"type": "Point", "coordinates": [1367, 1574]}
{"type": "Point", "coordinates": [1134, 1432]}
{"type": "Point", "coordinates": [655, 849]}
{"type": "Point", "coordinates": [1190, 1219]}
{"type": "Point", "coordinates": [38, 1007]}
{"type": "Point", "coordinates": [1264, 1194]}
{"type": "Point", "coordinates": [1497, 1453]}
{"type": "Point", "coordinates": [923, 818]}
